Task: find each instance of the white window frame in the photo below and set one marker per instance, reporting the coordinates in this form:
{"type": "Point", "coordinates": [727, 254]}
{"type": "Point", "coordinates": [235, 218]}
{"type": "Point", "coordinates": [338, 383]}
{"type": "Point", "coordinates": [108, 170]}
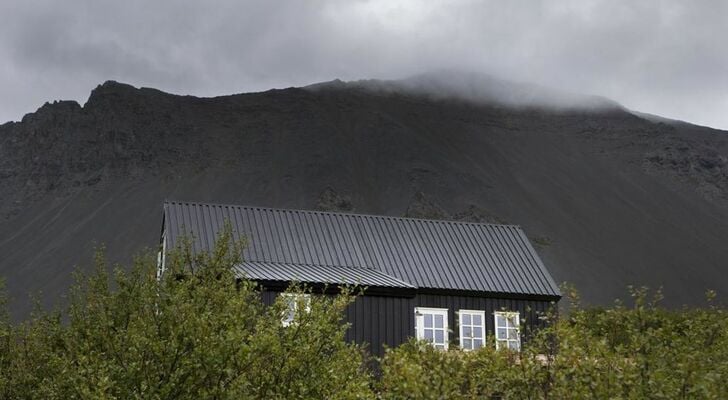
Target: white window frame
{"type": "Point", "coordinates": [293, 299]}
{"type": "Point", "coordinates": [161, 255]}
{"type": "Point", "coordinates": [462, 325]}
{"type": "Point", "coordinates": [512, 329]}
{"type": "Point", "coordinates": [420, 313]}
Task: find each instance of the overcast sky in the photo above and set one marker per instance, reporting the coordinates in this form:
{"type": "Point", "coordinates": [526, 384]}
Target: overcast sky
{"type": "Point", "coordinates": [666, 57]}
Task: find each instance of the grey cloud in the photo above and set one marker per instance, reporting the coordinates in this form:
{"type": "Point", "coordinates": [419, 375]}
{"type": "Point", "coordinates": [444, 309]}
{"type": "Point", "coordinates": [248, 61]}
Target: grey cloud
{"type": "Point", "coordinates": [663, 57]}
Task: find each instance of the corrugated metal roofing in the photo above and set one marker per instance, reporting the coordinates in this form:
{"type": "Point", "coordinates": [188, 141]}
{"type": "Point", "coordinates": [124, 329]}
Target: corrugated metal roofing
{"type": "Point", "coordinates": [273, 271]}
{"type": "Point", "coordinates": [423, 253]}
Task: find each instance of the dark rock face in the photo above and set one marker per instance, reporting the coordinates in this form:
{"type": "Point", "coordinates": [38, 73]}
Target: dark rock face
{"type": "Point", "coordinates": [699, 163]}
{"type": "Point", "coordinates": [330, 200]}
{"type": "Point", "coordinates": [614, 199]}
{"type": "Point", "coordinates": [423, 207]}
{"type": "Point", "coordinates": [478, 214]}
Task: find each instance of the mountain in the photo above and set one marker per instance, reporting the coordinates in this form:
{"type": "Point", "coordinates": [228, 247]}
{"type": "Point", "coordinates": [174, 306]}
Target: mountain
{"type": "Point", "coordinates": [610, 197]}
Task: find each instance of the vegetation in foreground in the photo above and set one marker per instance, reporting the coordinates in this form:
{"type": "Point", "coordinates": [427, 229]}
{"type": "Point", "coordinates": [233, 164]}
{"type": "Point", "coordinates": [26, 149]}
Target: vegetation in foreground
{"type": "Point", "coordinates": [199, 333]}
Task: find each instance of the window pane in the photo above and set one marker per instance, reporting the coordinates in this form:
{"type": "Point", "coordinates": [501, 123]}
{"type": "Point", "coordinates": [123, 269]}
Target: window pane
{"type": "Point", "coordinates": [477, 319]}
{"type": "Point", "coordinates": [428, 334]}
{"type": "Point", "coordinates": [291, 309]}
{"type": "Point", "coordinates": [512, 322]}
{"type": "Point", "coordinates": [512, 333]}
{"type": "Point", "coordinates": [466, 319]}
{"type": "Point", "coordinates": [428, 320]}
{"type": "Point", "coordinates": [466, 332]}
{"type": "Point", "coordinates": [513, 345]}
{"type": "Point", "coordinates": [501, 333]}
{"type": "Point", "coordinates": [438, 321]}
{"type": "Point", "coordinates": [477, 343]}
{"type": "Point", "coordinates": [467, 344]}
{"type": "Point", "coordinates": [439, 336]}
{"type": "Point", "coordinates": [500, 320]}
{"type": "Point", "coordinates": [477, 332]}
{"type": "Point", "coordinates": [440, 346]}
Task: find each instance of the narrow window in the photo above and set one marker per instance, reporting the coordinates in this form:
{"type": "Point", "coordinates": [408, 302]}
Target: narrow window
{"type": "Point", "coordinates": [507, 334]}
{"type": "Point", "coordinates": [161, 256]}
{"type": "Point", "coordinates": [294, 302]}
{"type": "Point", "coordinates": [472, 329]}
{"type": "Point", "coordinates": [431, 325]}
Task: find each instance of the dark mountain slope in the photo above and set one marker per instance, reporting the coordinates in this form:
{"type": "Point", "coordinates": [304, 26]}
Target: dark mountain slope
{"type": "Point", "coordinates": [610, 199]}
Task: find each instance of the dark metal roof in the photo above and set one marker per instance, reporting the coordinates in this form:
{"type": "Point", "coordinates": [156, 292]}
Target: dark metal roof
{"type": "Point", "coordinates": [422, 253]}
{"type": "Point", "coordinates": [273, 271]}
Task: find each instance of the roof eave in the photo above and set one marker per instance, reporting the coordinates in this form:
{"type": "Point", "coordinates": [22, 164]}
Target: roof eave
{"type": "Point", "coordinates": [550, 297]}
{"type": "Point", "coordinates": [335, 288]}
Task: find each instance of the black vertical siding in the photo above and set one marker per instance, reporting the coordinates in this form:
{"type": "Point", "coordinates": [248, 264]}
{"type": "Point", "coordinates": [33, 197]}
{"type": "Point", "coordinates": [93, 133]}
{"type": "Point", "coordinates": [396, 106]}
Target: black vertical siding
{"type": "Point", "coordinates": [268, 297]}
{"type": "Point", "coordinates": [386, 320]}
{"type": "Point", "coordinates": [379, 321]}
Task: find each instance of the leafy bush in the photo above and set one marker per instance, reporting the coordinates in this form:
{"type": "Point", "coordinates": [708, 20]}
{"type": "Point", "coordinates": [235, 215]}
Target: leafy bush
{"type": "Point", "coordinates": [201, 333]}
{"type": "Point", "coordinates": [641, 352]}
{"type": "Point", "coordinates": [198, 333]}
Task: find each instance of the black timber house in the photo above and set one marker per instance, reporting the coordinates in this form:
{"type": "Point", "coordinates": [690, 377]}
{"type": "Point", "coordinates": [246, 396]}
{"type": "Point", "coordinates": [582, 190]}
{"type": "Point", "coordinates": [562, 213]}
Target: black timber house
{"type": "Point", "coordinates": [452, 283]}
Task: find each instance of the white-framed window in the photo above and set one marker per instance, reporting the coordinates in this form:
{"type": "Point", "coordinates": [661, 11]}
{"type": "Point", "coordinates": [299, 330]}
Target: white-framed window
{"type": "Point", "coordinates": [472, 329]}
{"type": "Point", "coordinates": [507, 330]}
{"type": "Point", "coordinates": [431, 325]}
{"type": "Point", "coordinates": [294, 302]}
{"type": "Point", "coordinates": [161, 256]}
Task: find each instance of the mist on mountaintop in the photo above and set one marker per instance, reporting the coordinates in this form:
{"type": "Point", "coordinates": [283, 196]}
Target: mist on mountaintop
{"type": "Point", "coordinates": [480, 88]}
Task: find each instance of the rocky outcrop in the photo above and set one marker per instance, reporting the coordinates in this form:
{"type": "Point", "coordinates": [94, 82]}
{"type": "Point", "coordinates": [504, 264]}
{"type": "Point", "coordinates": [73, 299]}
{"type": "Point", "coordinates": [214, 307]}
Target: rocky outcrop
{"type": "Point", "coordinates": [330, 200]}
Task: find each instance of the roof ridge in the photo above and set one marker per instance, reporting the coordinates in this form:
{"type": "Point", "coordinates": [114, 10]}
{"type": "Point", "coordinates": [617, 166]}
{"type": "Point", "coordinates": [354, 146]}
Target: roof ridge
{"type": "Point", "coordinates": [351, 214]}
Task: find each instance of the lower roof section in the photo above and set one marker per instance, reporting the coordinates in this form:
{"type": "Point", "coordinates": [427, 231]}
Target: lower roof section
{"type": "Point", "coordinates": [284, 272]}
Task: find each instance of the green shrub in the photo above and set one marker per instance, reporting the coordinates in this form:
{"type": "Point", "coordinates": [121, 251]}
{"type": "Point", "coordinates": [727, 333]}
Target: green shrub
{"type": "Point", "coordinates": [202, 333]}
{"type": "Point", "coordinates": [198, 333]}
{"type": "Point", "coordinates": [642, 352]}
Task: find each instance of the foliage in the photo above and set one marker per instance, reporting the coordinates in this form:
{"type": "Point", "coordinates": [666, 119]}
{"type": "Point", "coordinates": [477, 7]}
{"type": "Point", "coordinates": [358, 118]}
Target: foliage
{"type": "Point", "coordinates": [199, 332]}
{"type": "Point", "coordinates": [640, 352]}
